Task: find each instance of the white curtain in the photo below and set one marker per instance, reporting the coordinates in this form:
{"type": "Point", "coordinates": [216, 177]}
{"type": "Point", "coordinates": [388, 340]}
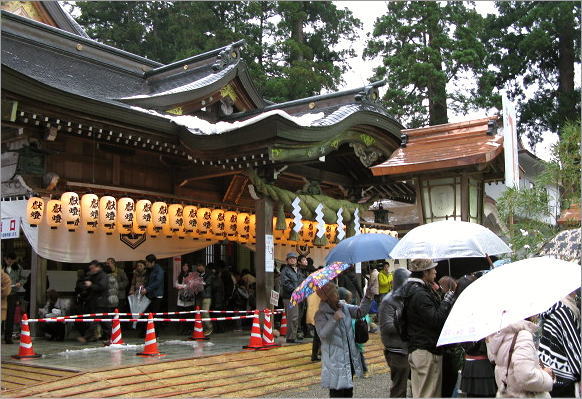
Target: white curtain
{"type": "Point", "coordinates": [81, 247]}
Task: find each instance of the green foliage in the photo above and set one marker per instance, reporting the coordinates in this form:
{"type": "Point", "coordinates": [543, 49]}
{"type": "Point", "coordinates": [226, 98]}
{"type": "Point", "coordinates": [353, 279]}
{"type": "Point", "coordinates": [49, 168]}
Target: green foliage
{"type": "Point", "coordinates": [425, 47]}
{"type": "Point", "coordinates": [564, 167]}
{"type": "Point", "coordinates": [533, 46]}
{"type": "Point", "coordinates": [526, 206]}
{"type": "Point", "coordinates": [291, 47]}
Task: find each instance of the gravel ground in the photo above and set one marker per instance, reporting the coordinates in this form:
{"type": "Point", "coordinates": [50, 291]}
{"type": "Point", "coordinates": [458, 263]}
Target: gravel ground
{"type": "Point", "coordinates": [377, 386]}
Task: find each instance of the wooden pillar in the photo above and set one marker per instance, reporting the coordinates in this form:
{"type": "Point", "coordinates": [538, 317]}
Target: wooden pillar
{"type": "Point", "coordinates": [37, 287]}
{"type": "Point", "coordinates": [264, 220]}
{"type": "Point", "coordinates": [464, 198]}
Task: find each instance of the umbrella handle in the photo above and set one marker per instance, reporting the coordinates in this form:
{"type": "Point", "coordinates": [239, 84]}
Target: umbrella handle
{"type": "Point", "coordinates": [489, 260]}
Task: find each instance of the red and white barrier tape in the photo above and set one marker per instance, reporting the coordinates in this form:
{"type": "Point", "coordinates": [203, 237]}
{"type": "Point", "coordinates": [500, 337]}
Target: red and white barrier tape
{"type": "Point", "coordinates": [164, 313]}
{"type": "Point", "coordinates": [65, 320]}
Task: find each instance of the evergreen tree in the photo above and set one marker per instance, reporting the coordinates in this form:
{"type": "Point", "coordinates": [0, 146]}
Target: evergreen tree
{"type": "Point", "coordinates": [426, 48]}
{"type": "Point", "coordinates": [535, 46]}
{"type": "Point", "coordinates": [292, 48]}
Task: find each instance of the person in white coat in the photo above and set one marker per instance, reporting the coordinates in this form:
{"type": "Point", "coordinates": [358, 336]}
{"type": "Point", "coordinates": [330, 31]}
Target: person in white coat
{"type": "Point", "coordinates": [518, 371]}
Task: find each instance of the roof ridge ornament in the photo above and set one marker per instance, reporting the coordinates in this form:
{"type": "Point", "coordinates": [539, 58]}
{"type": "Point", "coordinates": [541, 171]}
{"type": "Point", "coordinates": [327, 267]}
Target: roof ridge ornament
{"type": "Point", "coordinates": [369, 94]}
{"type": "Point", "coordinates": [230, 55]}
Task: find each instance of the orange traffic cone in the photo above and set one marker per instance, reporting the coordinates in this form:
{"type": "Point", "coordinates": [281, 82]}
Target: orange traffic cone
{"type": "Point", "coordinates": [255, 340]}
{"type": "Point", "coordinates": [283, 329]}
{"type": "Point", "coordinates": [151, 345]}
{"type": "Point", "coordinates": [268, 340]}
{"type": "Point", "coordinates": [116, 330]}
{"type": "Point", "coordinates": [198, 333]}
{"type": "Point", "coordinates": [25, 350]}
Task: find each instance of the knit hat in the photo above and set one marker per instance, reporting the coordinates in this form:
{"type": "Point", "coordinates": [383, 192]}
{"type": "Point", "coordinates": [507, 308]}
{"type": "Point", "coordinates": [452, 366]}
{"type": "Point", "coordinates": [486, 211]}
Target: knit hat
{"type": "Point", "coordinates": [291, 255]}
{"type": "Point", "coordinates": [419, 265]}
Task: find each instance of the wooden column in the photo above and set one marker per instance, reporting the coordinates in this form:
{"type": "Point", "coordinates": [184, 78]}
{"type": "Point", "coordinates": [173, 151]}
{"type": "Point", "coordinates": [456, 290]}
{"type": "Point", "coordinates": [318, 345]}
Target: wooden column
{"type": "Point", "coordinates": [264, 220]}
{"type": "Point", "coordinates": [37, 288]}
{"type": "Point", "coordinates": [464, 198]}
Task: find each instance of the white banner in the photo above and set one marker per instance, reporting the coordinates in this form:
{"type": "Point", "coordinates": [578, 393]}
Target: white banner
{"type": "Point", "coordinates": [269, 253]}
{"type": "Point", "coordinates": [81, 247]}
{"type": "Point", "coordinates": [10, 227]}
{"type": "Point", "coordinates": [510, 143]}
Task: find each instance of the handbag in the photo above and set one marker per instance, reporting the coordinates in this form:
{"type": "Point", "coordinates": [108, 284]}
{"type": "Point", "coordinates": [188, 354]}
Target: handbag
{"type": "Point", "coordinates": [361, 334]}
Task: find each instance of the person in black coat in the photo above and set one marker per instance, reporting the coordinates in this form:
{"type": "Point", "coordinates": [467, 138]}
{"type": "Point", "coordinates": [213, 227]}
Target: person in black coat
{"type": "Point", "coordinates": [424, 315]}
{"type": "Point", "coordinates": [349, 280]}
{"type": "Point", "coordinates": [96, 299]}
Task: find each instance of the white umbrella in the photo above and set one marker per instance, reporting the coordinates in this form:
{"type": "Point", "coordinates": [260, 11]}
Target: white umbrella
{"type": "Point", "coordinates": [449, 239]}
{"type": "Point", "coordinates": [507, 294]}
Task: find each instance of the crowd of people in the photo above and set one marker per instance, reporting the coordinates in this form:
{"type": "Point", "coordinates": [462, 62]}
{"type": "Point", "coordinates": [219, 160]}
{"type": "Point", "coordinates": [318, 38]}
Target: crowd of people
{"type": "Point", "coordinates": [536, 357]}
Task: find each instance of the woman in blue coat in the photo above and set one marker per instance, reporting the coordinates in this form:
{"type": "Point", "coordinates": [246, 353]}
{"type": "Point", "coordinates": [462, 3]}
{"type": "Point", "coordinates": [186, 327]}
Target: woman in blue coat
{"type": "Point", "coordinates": [340, 357]}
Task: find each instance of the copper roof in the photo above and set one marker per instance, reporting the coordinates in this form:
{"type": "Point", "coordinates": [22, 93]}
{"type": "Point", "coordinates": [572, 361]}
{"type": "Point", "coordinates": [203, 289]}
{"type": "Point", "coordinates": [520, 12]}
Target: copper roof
{"type": "Point", "coordinates": [443, 146]}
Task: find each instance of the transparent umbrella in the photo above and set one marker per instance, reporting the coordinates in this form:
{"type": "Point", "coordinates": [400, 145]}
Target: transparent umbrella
{"type": "Point", "coordinates": [508, 294]}
{"type": "Point", "coordinates": [449, 239]}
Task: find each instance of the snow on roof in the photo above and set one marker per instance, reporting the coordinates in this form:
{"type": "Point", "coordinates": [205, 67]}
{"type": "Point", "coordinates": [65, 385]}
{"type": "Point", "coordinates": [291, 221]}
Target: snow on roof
{"type": "Point", "coordinates": [201, 126]}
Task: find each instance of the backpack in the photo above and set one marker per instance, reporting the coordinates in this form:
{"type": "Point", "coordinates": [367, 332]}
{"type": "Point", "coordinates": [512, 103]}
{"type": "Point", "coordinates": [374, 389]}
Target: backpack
{"type": "Point", "coordinates": [361, 334]}
{"type": "Point", "coordinates": [400, 319]}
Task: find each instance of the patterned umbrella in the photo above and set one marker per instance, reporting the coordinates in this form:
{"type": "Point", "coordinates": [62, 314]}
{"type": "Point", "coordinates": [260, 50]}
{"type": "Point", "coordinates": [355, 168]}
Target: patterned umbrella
{"type": "Point", "coordinates": [316, 280]}
{"type": "Point", "coordinates": [565, 246]}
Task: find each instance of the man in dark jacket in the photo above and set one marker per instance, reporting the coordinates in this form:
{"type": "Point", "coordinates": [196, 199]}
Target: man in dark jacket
{"type": "Point", "coordinates": [424, 317]}
{"type": "Point", "coordinates": [96, 287]}
{"type": "Point", "coordinates": [290, 278]}
{"type": "Point", "coordinates": [395, 349]}
{"type": "Point", "coordinates": [204, 297]}
{"type": "Point", "coordinates": [349, 281]}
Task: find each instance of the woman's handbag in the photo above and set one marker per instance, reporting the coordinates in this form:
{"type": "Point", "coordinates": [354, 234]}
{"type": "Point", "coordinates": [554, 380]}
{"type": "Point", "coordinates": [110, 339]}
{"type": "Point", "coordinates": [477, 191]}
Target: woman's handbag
{"type": "Point", "coordinates": [361, 334]}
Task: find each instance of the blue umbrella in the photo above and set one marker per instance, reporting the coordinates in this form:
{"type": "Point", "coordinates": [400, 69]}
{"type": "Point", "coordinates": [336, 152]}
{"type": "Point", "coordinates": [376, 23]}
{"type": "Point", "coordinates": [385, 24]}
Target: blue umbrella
{"type": "Point", "coordinates": [362, 248]}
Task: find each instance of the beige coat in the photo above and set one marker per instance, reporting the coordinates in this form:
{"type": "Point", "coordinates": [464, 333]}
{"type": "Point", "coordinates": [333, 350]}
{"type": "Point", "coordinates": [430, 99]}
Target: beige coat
{"type": "Point", "coordinates": [5, 288]}
{"type": "Point", "coordinates": [526, 377]}
{"type": "Point", "coordinates": [312, 307]}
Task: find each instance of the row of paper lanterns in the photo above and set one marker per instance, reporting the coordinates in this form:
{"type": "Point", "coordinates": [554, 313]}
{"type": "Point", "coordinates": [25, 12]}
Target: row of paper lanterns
{"type": "Point", "coordinates": [124, 216]}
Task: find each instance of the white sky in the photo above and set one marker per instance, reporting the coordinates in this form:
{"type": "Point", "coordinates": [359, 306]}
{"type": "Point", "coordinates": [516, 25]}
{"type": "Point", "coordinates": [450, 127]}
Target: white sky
{"type": "Point", "coordinates": [367, 12]}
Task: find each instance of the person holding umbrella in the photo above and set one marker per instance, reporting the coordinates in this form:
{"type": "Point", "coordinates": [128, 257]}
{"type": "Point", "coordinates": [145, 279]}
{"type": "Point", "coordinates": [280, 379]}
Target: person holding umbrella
{"type": "Point", "coordinates": [518, 371]}
{"type": "Point", "coordinates": [424, 315]}
{"type": "Point", "coordinates": [339, 354]}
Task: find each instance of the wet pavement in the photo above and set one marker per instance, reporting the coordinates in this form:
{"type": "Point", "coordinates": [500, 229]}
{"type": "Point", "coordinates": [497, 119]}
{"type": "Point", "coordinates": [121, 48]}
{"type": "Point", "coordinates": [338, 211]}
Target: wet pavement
{"type": "Point", "coordinates": [75, 356]}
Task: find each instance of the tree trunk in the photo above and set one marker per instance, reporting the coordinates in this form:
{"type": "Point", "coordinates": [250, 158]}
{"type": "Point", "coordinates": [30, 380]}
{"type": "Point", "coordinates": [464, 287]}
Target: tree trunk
{"type": "Point", "coordinates": [297, 34]}
{"type": "Point", "coordinates": [567, 98]}
{"type": "Point", "coordinates": [437, 90]}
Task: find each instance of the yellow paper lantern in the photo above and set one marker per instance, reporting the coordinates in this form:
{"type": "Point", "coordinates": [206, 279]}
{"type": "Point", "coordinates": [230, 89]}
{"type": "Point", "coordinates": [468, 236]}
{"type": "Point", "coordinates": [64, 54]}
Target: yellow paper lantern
{"type": "Point", "coordinates": [181, 233]}
{"type": "Point", "coordinates": [230, 219]}
{"type": "Point", "coordinates": [159, 215]}
{"type": "Point", "coordinates": [125, 215]}
{"type": "Point", "coordinates": [308, 232]}
{"type": "Point", "coordinates": [243, 226]}
{"type": "Point", "coordinates": [288, 230]}
{"type": "Point", "coordinates": [254, 227]}
{"type": "Point", "coordinates": [190, 221]}
{"type": "Point", "coordinates": [167, 230]}
{"type": "Point", "coordinates": [278, 235]}
{"type": "Point", "coordinates": [107, 214]}
{"type": "Point", "coordinates": [71, 208]}
{"type": "Point", "coordinates": [176, 214]}
{"type": "Point", "coordinates": [54, 213]}
{"type": "Point", "coordinates": [218, 223]}
{"type": "Point", "coordinates": [203, 219]}
{"type": "Point", "coordinates": [330, 232]}
{"type": "Point", "coordinates": [143, 216]}
{"type": "Point", "coordinates": [151, 230]}
{"type": "Point", "coordinates": [90, 212]}
{"type": "Point", "coordinates": [34, 211]}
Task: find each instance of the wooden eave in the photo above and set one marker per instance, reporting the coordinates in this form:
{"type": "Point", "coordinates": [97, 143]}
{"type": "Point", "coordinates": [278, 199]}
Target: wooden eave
{"type": "Point", "coordinates": [441, 147]}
